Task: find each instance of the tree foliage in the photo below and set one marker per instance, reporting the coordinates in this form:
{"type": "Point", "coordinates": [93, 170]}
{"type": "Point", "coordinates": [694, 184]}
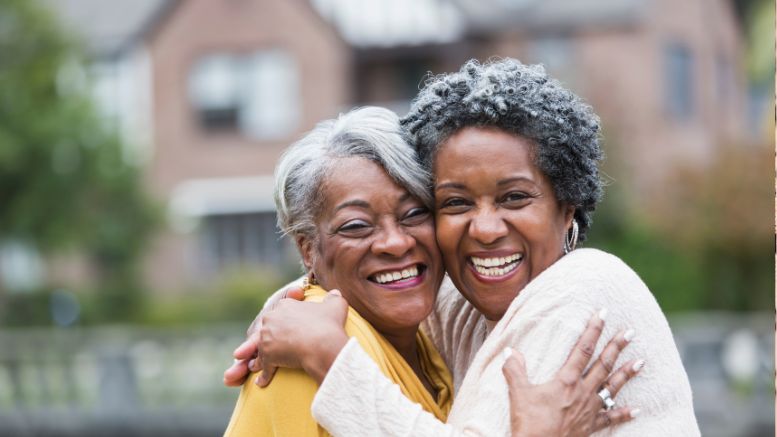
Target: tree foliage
{"type": "Point", "coordinates": [709, 246]}
{"type": "Point", "coordinates": [63, 180]}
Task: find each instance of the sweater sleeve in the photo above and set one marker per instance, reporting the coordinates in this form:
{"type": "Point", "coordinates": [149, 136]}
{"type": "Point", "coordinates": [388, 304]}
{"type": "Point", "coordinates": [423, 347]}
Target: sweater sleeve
{"type": "Point", "coordinates": [355, 398]}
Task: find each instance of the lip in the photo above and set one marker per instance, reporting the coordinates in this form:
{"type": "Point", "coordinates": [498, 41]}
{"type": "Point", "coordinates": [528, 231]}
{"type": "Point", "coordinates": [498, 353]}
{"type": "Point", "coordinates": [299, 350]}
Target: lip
{"type": "Point", "coordinates": [492, 254]}
{"type": "Point", "coordinates": [402, 283]}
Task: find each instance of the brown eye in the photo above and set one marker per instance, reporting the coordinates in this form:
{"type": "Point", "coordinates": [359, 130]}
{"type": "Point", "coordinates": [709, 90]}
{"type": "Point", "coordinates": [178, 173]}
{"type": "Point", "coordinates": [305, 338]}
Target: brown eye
{"type": "Point", "coordinates": [515, 198]}
{"type": "Point", "coordinates": [354, 228]}
{"type": "Point", "coordinates": [416, 216]}
{"type": "Point", "coordinates": [454, 205]}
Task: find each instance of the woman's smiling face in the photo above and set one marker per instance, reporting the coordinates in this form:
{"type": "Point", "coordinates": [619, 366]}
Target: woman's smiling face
{"type": "Point", "coordinates": [499, 224]}
{"type": "Point", "coordinates": [376, 244]}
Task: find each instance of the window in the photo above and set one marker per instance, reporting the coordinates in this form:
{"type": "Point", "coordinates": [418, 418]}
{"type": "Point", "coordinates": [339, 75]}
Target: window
{"type": "Point", "coordinates": [725, 79]}
{"type": "Point", "coordinates": [214, 91]}
{"type": "Point", "coordinates": [255, 94]}
{"type": "Point", "coordinates": [556, 53]}
{"type": "Point", "coordinates": [679, 82]}
{"type": "Point", "coordinates": [234, 240]}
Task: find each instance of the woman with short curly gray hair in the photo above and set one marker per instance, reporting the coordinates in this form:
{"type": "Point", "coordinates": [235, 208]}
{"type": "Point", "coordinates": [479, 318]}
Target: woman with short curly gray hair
{"type": "Point", "coordinates": [514, 162]}
{"type": "Point", "coordinates": [523, 100]}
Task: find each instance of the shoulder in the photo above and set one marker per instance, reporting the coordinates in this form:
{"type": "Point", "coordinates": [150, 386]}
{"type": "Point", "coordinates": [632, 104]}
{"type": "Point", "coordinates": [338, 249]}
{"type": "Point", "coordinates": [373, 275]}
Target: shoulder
{"type": "Point", "coordinates": [590, 275]}
{"type": "Point", "coordinates": [594, 263]}
{"type": "Point", "coordinates": [581, 283]}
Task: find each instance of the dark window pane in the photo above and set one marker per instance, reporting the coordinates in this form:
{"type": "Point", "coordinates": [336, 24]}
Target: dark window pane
{"type": "Point", "coordinates": [679, 81]}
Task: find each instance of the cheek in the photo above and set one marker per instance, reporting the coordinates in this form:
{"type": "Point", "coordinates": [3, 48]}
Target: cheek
{"type": "Point", "coordinates": [335, 263]}
{"type": "Point", "coordinates": [448, 232]}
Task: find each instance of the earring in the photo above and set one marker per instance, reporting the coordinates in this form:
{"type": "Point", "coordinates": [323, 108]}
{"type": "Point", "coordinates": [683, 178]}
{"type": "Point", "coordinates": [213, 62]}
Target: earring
{"type": "Point", "coordinates": [309, 281]}
{"type": "Point", "coordinates": [570, 239]}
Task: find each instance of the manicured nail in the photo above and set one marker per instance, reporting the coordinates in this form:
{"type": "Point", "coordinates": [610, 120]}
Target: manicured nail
{"type": "Point", "coordinates": [506, 353]}
{"type": "Point", "coordinates": [629, 335]}
{"type": "Point", "coordinates": [603, 314]}
{"type": "Point", "coordinates": [635, 412]}
{"type": "Point", "coordinates": [638, 365]}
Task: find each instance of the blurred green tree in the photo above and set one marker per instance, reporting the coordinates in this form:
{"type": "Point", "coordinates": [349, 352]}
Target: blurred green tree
{"type": "Point", "coordinates": [707, 245]}
{"type": "Point", "coordinates": [63, 180]}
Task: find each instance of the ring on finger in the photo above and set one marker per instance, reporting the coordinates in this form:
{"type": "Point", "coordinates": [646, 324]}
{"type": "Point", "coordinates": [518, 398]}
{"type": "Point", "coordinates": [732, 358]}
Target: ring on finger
{"type": "Point", "coordinates": [607, 402]}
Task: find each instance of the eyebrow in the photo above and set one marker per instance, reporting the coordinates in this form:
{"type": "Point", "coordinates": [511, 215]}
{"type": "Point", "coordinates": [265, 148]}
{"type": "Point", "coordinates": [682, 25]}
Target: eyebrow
{"type": "Point", "coordinates": [460, 186]}
{"type": "Point", "coordinates": [366, 205]}
{"type": "Point", "coordinates": [454, 185]}
{"type": "Point", "coordinates": [514, 179]}
{"type": "Point", "coordinates": [357, 203]}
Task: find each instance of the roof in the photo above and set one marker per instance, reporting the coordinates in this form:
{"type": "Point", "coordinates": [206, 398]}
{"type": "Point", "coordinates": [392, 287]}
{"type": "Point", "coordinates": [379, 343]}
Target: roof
{"type": "Point", "coordinates": [109, 27]}
{"type": "Point", "coordinates": [485, 16]}
{"type": "Point", "coordinates": [390, 23]}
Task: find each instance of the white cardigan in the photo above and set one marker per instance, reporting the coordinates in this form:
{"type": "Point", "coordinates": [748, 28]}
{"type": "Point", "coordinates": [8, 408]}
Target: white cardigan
{"type": "Point", "coordinates": [543, 322]}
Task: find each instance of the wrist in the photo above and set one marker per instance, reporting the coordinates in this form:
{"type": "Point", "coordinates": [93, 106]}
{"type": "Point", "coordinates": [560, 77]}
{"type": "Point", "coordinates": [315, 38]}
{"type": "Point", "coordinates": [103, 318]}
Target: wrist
{"type": "Point", "coordinates": [317, 364]}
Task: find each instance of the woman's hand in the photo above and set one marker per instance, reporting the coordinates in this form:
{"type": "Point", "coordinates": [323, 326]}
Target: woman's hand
{"type": "Point", "coordinates": [569, 404]}
{"type": "Point", "coordinates": [302, 334]}
{"type": "Point", "coordinates": [245, 354]}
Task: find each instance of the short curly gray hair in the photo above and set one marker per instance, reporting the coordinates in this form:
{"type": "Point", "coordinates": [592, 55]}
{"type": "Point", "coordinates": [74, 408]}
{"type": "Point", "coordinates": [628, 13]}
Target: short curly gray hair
{"type": "Point", "coordinates": [521, 99]}
{"type": "Point", "coordinates": [370, 132]}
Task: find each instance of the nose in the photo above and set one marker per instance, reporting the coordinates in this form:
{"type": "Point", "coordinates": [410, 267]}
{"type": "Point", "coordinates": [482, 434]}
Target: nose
{"type": "Point", "coordinates": [487, 227]}
{"type": "Point", "coordinates": [393, 240]}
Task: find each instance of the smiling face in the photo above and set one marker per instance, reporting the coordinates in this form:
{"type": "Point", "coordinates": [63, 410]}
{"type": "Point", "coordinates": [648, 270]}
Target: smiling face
{"type": "Point", "coordinates": [375, 244]}
{"type": "Point", "coordinates": [499, 224]}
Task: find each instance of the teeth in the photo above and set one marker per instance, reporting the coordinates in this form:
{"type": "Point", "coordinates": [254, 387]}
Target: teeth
{"type": "Point", "coordinates": [383, 278]}
{"type": "Point", "coordinates": [495, 262]}
{"type": "Point", "coordinates": [496, 271]}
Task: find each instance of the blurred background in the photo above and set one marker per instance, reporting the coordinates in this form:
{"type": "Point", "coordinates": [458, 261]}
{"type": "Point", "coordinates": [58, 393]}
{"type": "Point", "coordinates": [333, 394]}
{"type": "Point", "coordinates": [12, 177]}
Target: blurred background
{"type": "Point", "coordinates": [138, 140]}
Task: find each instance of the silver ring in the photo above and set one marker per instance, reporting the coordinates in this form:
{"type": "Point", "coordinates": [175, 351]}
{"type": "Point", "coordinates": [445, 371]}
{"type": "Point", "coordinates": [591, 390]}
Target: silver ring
{"type": "Point", "coordinates": [607, 402]}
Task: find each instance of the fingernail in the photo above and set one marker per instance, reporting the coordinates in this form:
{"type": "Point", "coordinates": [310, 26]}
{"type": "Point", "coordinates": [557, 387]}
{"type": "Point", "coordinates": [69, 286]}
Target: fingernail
{"type": "Point", "coordinates": [336, 292]}
{"type": "Point", "coordinates": [256, 380]}
{"type": "Point", "coordinates": [635, 412]}
{"type": "Point", "coordinates": [603, 314]}
{"type": "Point", "coordinates": [506, 353]}
{"type": "Point", "coordinates": [638, 365]}
{"type": "Point", "coordinates": [629, 335]}
{"type": "Point", "coordinates": [235, 361]}
{"type": "Point", "coordinates": [251, 364]}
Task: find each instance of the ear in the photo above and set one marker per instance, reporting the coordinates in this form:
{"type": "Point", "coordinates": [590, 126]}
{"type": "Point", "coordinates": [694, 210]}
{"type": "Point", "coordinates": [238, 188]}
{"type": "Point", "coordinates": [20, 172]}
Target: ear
{"type": "Point", "coordinates": [307, 251]}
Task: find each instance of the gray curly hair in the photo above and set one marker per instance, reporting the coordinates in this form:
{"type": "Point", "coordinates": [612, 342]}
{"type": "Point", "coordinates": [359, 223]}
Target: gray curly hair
{"type": "Point", "coordinates": [521, 99]}
{"type": "Point", "coordinates": [372, 133]}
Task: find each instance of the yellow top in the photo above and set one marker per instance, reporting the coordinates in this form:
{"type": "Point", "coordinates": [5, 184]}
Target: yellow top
{"type": "Point", "coordinates": [283, 408]}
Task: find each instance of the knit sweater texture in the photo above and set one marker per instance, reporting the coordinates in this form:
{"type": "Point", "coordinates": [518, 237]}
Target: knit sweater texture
{"type": "Point", "coordinates": [543, 322]}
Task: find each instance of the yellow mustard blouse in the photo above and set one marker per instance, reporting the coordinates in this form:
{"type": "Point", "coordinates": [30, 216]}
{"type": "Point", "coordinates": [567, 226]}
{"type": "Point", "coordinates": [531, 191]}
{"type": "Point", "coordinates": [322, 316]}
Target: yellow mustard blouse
{"type": "Point", "coordinates": [283, 408]}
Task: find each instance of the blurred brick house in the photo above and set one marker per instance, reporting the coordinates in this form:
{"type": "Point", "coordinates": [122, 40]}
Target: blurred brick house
{"type": "Point", "coordinates": [208, 93]}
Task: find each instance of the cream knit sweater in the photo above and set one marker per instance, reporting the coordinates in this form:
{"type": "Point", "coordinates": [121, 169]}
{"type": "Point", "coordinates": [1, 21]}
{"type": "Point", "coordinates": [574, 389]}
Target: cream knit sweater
{"type": "Point", "coordinates": [543, 323]}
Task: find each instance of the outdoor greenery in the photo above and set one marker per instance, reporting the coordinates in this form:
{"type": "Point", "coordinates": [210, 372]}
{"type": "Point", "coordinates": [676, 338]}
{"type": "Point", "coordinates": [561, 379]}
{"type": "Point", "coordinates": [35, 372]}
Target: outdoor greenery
{"type": "Point", "coordinates": [64, 184]}
{"type": "Point", "coordinates": [708, 244]}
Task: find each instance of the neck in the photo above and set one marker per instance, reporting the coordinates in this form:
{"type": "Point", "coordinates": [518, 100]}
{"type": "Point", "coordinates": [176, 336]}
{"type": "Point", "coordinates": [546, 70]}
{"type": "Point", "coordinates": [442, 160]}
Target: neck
{"type": "Point", "coordinates": [404, 342]}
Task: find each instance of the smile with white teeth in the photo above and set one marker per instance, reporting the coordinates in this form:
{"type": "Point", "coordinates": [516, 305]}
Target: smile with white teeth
{"type": "Point", "coordinates": [386, 277]}
{"type": "Point", "coordinates": [498, 266]}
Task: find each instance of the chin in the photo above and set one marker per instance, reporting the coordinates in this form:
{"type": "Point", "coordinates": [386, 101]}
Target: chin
{"type": "Point", "coordinates": [493, 303]}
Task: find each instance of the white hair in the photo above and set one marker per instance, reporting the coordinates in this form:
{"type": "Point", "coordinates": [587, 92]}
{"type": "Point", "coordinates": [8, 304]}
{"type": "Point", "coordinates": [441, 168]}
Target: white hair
{"type": "Point", "coordinates": [370, 132]}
